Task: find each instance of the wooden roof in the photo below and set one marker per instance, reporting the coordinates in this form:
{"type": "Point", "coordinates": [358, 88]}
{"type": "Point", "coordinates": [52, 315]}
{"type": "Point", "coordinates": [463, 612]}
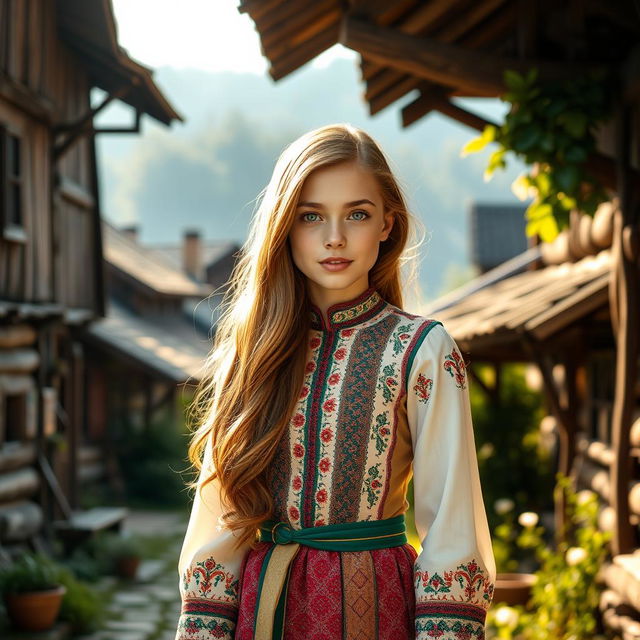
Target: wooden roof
{"type": "Point", "coordinates": [489, 320]}
{"type": "Point", "coordinates": [173, 350]}
{"type": "Point", "coordinates": [146, 267]}
{"type": "Point", "coordinates": [444, 48]}
{"type": "Point", "coordinates": [88, 27]}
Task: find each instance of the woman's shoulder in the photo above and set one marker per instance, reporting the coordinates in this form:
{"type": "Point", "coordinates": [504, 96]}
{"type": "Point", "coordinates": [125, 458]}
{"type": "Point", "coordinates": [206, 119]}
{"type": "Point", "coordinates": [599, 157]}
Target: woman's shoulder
{"type": "Point", "coordinates": [418, 323]}
{"type": "Point", "coordinates": [428, 334]}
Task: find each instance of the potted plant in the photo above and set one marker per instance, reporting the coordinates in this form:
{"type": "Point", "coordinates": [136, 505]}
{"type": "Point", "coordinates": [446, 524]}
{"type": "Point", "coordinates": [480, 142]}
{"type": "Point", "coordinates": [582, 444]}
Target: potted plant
{"type": "Point", "coordinates": [513, 587]}
{"type": "Point", "coordinates": [564, 598]}
{"type": "Point", "coordinates": [83, 606]}
{"type": "Point", "coordinates": [122, 553]}
{"type": "Point", "coordinates": [32, 591]}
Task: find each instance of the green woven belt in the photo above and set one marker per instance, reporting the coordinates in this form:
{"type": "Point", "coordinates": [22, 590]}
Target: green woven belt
{"type": "Point", "coordinates": [351, 536]}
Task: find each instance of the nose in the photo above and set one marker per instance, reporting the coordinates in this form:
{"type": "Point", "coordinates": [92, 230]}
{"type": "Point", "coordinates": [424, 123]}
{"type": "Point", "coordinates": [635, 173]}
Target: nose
{"type": "Point", "coordinates": [335, 236]}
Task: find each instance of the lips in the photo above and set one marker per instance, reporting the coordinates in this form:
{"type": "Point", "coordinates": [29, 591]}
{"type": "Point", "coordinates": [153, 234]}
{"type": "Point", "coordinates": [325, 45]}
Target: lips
{"type": "Point", "coordinates": [334, 261]}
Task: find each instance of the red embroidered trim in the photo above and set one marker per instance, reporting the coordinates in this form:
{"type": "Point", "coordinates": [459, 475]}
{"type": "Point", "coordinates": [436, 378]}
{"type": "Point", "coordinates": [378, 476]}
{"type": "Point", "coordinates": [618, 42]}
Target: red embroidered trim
{"type": "Point", "coordinates": [449, 609]}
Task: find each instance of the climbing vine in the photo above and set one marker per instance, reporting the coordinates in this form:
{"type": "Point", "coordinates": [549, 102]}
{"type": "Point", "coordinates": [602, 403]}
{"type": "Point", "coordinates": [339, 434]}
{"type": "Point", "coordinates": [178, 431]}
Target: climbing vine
{"type": "Point", "coordinates": [551, 127]}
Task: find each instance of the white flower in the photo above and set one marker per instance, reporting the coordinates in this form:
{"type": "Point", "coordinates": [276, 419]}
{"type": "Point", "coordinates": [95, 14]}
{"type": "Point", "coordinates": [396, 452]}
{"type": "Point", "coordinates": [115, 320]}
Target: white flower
{"type": "Point", "coordinates": [486, 450]}
{"type": "Point", "coordinates": [528, 519]}
{"type": "Point", "coordinates": [575, 555]}
{"type": "Point", "coordinates": [503, 505]}
{"type": "Point", "coordinates": [584, 496]}
{"type": "Point", "coordinates": [506, 616]}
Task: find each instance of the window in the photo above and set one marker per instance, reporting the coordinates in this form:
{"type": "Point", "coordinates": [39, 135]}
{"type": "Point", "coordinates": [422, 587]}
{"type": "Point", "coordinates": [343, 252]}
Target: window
{"type": "Point", "coordinates": [11, 185]}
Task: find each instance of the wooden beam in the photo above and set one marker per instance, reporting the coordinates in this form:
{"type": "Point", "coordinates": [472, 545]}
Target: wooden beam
{"type": "Point", "coordinates": [290, 48]}
{"type": "Point", "coordinates": [257, 8]}
{"type": "Point", "coordinates": [564, 415]}
{"type": "Point", "coordinates": [475, 39]}
{"type": "Point", "coordinates": [303, 54]}
{"type": "Point", "coordinates": [446, 64]}
{"type": "Point", "coordinates": [289, 24]}
{"type": "Point", "coordinates": [437, 100]}
{"type": "Point", "coordinates": [625, 284]}
{"type": "Point", "coordinates": [401, 88]}
{"type": "Point", "coordinates": [415, 24]}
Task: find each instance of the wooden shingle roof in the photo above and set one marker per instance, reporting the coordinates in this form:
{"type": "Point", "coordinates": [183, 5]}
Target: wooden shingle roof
{"type": "Point", "coordinates": [146, 267]}
{"type": "Point", "coordinates": [441, 48]}
{"type": "Point", "coordinates": [489, 321]}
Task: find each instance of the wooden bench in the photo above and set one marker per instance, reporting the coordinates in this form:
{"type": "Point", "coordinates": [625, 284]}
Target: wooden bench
{"type": "Point", "coordinates": [78, 526]}
{"type": "Point", "coordinates": [84, 524]}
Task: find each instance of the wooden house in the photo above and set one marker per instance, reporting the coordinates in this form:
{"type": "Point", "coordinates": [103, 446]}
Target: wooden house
{"type": "Point", "coordinates": [150, 340]}
{"type": "Point", "coordinates": [570, 306]}
{"type": "Point", "coordinates": [52, 53]}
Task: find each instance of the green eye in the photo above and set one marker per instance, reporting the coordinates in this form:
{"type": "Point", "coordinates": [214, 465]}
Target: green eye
{"type": "Point", "coordinates": [308, 213]}
{"type": "Point", "coordinates": [364, 213]}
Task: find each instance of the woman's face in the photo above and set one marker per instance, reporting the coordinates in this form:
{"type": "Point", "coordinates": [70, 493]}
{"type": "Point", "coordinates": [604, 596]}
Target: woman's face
{"type": "Point", "coordinates": [339, 214]}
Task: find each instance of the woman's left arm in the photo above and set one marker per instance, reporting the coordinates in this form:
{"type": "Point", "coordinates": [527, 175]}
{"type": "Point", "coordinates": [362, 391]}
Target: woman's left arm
{"type": "Point", "coordinates": [455, 572]}
{"type": "Point", "coordinates": [209, 567]}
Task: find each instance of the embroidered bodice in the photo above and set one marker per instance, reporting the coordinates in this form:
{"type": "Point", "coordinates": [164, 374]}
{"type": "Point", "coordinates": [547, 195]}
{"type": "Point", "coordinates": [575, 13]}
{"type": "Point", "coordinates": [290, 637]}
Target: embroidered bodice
{"type": "Point", "coordinates": [384, 399]}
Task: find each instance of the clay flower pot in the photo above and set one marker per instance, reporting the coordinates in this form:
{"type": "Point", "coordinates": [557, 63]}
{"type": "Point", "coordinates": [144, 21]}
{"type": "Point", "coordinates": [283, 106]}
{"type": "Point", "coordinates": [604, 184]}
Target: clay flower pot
{"type": "Point", "coordinates": [127, 566]}
{"type": "Point", "coordinates": [34, 610]}
{"type": "Point", "coordinates": [513, 588]}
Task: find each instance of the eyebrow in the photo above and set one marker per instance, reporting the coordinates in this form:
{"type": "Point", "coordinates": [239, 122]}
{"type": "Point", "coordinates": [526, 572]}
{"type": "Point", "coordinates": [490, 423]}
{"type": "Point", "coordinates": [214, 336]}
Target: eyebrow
{"type": "Point", "coordinates": [355, 203]}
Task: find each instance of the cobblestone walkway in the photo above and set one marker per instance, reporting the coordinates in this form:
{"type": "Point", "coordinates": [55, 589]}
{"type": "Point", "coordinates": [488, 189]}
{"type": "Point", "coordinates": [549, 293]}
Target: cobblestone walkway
{"type": "Point", "coordinates": [147, 608]}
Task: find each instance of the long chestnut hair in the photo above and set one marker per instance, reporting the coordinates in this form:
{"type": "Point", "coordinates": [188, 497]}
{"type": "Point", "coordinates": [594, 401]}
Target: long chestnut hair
{"type": "Point", "coordinates": [243, 404]}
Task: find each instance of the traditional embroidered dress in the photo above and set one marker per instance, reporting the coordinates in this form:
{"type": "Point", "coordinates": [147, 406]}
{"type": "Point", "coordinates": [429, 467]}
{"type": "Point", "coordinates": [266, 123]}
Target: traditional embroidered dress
{"type": "Point", "coordinates": [385, 396]}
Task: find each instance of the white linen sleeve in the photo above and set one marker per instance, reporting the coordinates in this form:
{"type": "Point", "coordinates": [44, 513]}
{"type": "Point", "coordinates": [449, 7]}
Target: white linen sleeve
{"type": "Point", "coordinates": [209, 567]}
{"type": "Point", "coordinates": [454, 573]}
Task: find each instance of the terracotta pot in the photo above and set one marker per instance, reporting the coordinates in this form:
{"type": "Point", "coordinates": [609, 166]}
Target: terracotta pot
{"type": "Point", "coordinates": [127, 566]}
{"type": "Point", "coordinates": [513, 588]}
{"type": "Point", "coordinates": [34, 610]}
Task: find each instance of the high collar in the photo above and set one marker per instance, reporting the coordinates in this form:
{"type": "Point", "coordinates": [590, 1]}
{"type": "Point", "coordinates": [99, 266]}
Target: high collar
{"type": "Point", "coordinates": [348, 313]}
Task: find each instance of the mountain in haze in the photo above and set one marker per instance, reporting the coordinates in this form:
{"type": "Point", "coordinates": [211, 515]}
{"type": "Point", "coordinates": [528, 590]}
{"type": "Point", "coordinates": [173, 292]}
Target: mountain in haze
{"type": "Point", "coordinates": [208, 172]}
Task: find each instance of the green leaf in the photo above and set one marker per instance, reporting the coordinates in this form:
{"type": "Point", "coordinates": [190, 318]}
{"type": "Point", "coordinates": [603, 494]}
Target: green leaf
{"type": "Point", "coordinates": [577, 155]}
{"type": "Point", "coordinates": [526, 137]}
{"type": "Point", "coordinates": [477, 144]}
{"type": "Point", "coordinates": [514, 80]}
{"type": "Point", "coordinates": [567, 177]}
{"type": "Point", "coordinates": [574, 123]}
{"type": "Point", "coordinates": [538, 210]}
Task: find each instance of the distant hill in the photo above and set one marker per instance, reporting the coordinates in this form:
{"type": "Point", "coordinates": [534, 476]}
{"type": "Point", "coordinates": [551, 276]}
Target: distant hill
{"type": "Point", "coordinates": [208, 172]}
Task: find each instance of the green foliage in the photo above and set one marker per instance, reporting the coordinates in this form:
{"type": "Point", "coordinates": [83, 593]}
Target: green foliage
{"type": "Point", "coordinates": [550, 126]}
{"type": "Point", "coordinates": [513, 462]}
{"type": "Point", "coordinates": [29, 572]}
{"type": "Point", "coordinates": [564, 599]}
{"type": "Point", "coordinates": [97, 556]}
{"type": "Point", "coordinates": [82, 606]}
{"type": "Point", "coordinates": [149, 457]}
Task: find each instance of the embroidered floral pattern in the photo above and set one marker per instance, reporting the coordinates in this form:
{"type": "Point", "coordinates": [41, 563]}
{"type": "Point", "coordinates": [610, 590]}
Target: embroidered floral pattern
{"type": "Point", "coordinates": [345, 315]}
{"type": "Point", "coordinates": [400, 338]}
{"type": "Point", "coordinates": [423, 388]}
{"type": "Point", "coordinates": [201, 580]}
{"type": "Point", "coordinates": [328, 406]}
{"type": "Point", "coordinates": [454, 364]}
{"type": "Point", "coordinates": [192, 626]}
{"type": "Point", "coordinates": [372, 484]}
{"type": "Point", "coordinates": [381, 433]}
{"type": "Point", "coordinates": [387, 382]}
{"type": "Point", "coordinates": [449, 628]}
{"type": "Point", "coordinates": [467, 583]}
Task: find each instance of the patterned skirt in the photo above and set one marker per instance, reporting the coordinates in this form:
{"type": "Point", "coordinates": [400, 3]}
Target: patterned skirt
{"type": "Point", "coordinates": [338, 595]}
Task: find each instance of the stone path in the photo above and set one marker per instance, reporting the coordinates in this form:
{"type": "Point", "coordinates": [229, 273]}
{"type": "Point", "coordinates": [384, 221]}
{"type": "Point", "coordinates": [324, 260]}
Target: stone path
{"type": "Point", "coordinates": [149, 607]}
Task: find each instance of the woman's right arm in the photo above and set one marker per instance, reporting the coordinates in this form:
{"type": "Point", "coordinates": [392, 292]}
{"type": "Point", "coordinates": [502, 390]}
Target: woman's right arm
{"type": "Point", "coordinates": [209, 567]}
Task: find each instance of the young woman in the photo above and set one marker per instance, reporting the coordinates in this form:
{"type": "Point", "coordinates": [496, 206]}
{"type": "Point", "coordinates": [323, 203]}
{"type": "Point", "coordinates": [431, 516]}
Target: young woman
{"type": "Point", "coordinates": [323, 398]}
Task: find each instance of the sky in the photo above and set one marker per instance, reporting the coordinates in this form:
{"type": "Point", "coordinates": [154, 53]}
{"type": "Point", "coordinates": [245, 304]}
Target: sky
{"type": "Point", "coordinates": [211, 35]}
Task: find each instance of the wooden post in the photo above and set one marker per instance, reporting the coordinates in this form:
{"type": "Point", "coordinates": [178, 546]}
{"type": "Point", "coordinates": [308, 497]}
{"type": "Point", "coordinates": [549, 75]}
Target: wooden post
{"type": "Point", "coordinates": [624, 300]}
{"type": "Point", "coordinates": [565, 415]}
